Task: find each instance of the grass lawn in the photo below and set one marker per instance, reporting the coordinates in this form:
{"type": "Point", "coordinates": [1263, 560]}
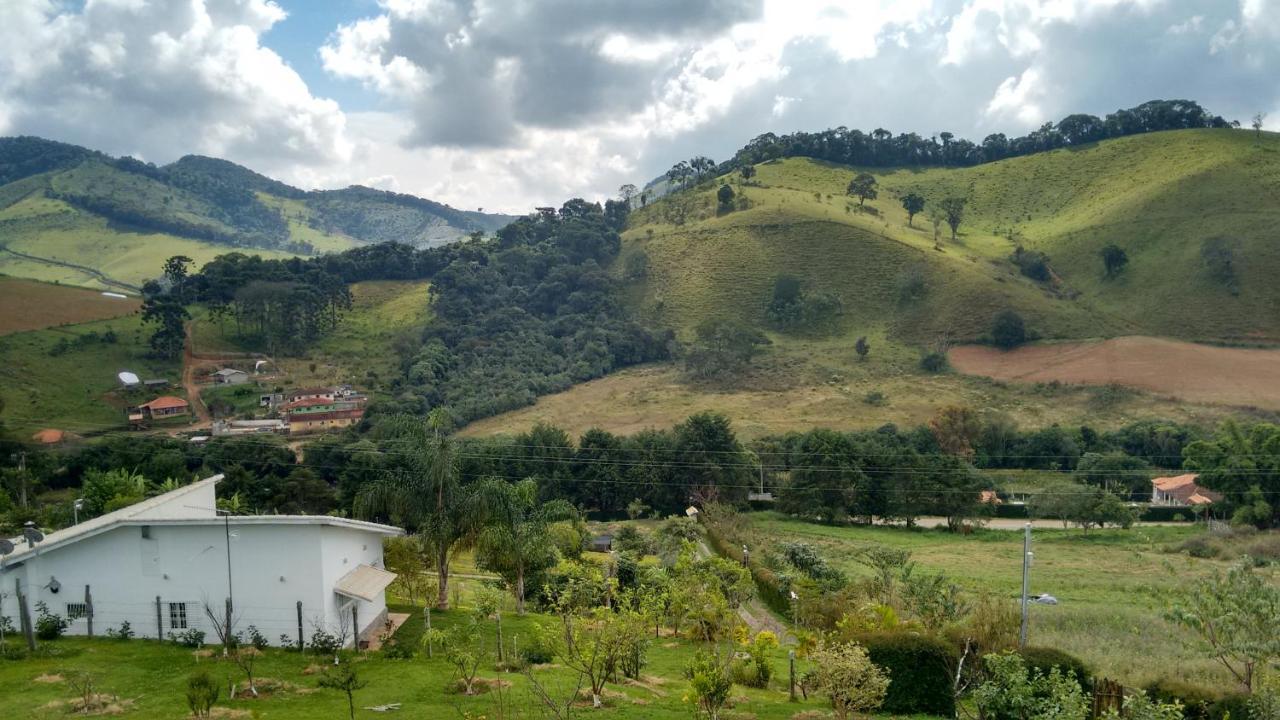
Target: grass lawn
{"type": "Point", "coordinates": [150, 679]}
{"type": "Point", "coordinates": [1111, 585]}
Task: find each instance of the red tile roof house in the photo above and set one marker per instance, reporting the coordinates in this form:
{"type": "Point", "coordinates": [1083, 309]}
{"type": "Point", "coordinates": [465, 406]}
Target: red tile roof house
{"type": "Point", "coordinates": [165, 406]}
{"type": "Point", "coordinates": [1181, 490]}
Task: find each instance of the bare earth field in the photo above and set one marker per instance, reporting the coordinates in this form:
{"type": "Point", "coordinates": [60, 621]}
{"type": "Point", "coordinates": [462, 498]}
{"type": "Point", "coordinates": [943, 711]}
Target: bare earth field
{"type": "Point", "coordinates": [1187, 371]}
{"type": "Point", "coordinates": [29, 305]}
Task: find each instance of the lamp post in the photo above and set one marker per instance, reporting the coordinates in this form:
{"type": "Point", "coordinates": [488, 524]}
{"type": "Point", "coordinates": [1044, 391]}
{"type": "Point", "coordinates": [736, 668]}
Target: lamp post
{"type": "Point", "coordinates": [76, 507]}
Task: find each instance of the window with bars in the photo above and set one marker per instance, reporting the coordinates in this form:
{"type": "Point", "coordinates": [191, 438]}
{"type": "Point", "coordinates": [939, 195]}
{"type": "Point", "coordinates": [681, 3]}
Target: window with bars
{"type": "Point", "coordinates": [75, 611]}
{"type": "Point", "coordinates": [178, 616]}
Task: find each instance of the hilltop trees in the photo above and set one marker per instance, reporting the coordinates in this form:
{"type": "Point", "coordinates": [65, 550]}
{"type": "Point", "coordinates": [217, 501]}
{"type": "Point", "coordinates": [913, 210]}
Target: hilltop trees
{"type": "Point", "coordinates": [912, 203]}
{"type": "Point", "coordinates": [723, 347]}
{"type": "Point", "coordinates": [747, 172]}
{"type": "Point", "coordinates": [863, 186]}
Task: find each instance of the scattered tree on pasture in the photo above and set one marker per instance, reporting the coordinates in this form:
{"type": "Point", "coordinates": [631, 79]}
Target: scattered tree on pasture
{"type": "Point", "coordinates": [862, 347]}
{"type": "Point", "coordinates": [1114, 260]}
{"type": "Point", "coordinates": [912, 203]}
{"type": "Point", "coordinates": [747, 172]}
{"type": "Point", "coordinates": [863, 185]}
{"type": "Point", "coordinates": [956, 428]}
{"type": "Point", "coordinates": [724, 197]}
{"type": "Point", "coordinates": [953, 210]}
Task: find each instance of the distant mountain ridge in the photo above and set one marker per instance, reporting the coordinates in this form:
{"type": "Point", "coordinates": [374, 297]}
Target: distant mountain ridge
{"type": "Point", "coordinates": [217, 201]}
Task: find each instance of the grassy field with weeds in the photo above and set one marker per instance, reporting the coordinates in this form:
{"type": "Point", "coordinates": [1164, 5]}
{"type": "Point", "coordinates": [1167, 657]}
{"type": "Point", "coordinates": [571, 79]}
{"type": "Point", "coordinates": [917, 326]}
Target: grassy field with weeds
{"type": "Point", "coordinates": [1112, 585]}
{"type": "Point", "coordinates": [149, 678]}
{"type": "Point", "coordinates": [65, 377]}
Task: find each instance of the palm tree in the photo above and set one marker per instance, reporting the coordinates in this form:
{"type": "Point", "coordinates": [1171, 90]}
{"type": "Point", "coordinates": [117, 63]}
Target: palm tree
{"type": "Point", "coordinates": [421, 490]}
{"type": "Point", "coordinates": [515, 540]}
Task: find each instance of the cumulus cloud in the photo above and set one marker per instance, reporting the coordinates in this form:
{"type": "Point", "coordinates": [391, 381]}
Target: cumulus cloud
{"type": "Point", "coordinates": [161, 79]}
{"type": "Point", "coordinates": [508, 104]}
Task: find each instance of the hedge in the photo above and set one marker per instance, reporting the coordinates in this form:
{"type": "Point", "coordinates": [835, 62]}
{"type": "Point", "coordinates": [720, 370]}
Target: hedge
{"type": "Point", "coordinates": [1047, 658]}
{"type": "Point", "coordinates": [1199, 702]}
{"type": "Point", "coordinates": [1165, 513]}
{"type": "Point", "coordinates": [773, 592]}
{"type": "Point", "coordinates": [919, 668]}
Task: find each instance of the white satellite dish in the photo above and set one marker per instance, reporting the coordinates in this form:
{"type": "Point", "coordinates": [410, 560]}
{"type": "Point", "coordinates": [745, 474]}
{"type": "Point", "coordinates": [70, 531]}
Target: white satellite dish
{"type": "Point", "coordinates": [32, 533]}
{"type": "Point", "coordinates": [128, 379]}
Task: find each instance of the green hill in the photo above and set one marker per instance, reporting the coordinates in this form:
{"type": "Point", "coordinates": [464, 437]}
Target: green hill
{"type": "Point", "coordinates": [1158, 196]}
{"type": "Point", "coordinates": [73, 215]}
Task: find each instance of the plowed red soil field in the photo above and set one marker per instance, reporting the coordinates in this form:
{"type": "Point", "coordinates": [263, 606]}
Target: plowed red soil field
{"type": "Point", "coordinates": [1197, 373]}
{"type": "Point", "coordinates": [30, 305]}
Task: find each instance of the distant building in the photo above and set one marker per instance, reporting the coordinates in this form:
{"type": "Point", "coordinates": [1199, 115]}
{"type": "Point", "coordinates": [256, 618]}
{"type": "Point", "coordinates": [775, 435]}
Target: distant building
{"type": "Point", "coordinates": [601, 543]}
{"type": "Point", "coordinates": [155, 383]}
{"type": "Point", "coordinates": [226, 428]}
{"type": "Point", "coordinates": [165, 406]}
{"type": "Point", "coordinates": [1181, 490]}
{"type": "Point", "coordinates": [164, 564]}
{"type": "Point", "coordinates": [50, 437]}
{"type": "Point", "coordinates": [309, 410]}
{"type": "Point", "coordinates": [231, 376]}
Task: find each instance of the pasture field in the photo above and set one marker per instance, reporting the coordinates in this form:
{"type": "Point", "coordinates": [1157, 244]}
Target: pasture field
{"type": "Point", "coordinates": [150, 679]}
{"type": "Point", "coordinates": [1113, 585]}
{"type": "Point", "coordinates": [799, 384]}
{"type": "Point", "coordinates": [76, 389]}
{"type": "Point", "coordinates": [1187, 371]}
{"type": "Point", "coordinates": [27, 305]}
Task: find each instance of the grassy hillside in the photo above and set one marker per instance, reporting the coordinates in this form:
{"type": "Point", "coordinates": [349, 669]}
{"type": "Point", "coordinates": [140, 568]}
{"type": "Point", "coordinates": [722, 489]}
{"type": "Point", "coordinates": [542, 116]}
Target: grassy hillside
{"type": "Point", "coordinates": [71, 215]}
{"type": "Point", "coordinates": [1158, 196]}
{"type": "Point", "coordinates": [75, 389]}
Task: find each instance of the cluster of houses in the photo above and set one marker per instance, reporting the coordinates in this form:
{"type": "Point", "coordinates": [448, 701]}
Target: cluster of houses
{"type": "Point", "coordinates": [301, 412]}
{"type": "Point", "coordinates": [172, 563]}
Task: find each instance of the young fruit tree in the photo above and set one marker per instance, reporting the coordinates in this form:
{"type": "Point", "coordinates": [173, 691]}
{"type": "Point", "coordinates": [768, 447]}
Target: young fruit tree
{"type": "Point", "coordinates": [846, 675]}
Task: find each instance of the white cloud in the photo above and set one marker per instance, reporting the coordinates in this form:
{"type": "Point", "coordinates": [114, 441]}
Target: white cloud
{"type": "Point", "coordinates": [158, 80]}
{"type": "Point", "coordinates": [1018, 99]}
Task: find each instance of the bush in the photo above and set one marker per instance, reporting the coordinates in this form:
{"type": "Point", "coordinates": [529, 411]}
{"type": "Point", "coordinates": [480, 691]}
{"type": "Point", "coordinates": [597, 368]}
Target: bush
{"type": "Point", "coordinates": [202, 693]}
{"type": "Point", "coordinates": [192, 638]}
{"type": "Point", "coordinates": [934, 362]}
{"type": "Point", "coordinates": [323, 643]}
{"type": "Point", "coordinates": [256, 638]}
{"type": "Point", "coordinates": [393, 650]}
{"type": "Point", "coordinates": [1045, 659]}
{"type": "Point", "coordinates": [919, 671]}
{"type": "Point", "coordinates": [629, 539]}
{"type": "Point", "coordinates": [1008, 331]}
{"type": "Point", "coordinates": [124, 633]}
{"type": "Point", "coordinates": [537, 650]}
{"type": "Point", "coordinates": [1199, 702]}
{"type": "Point", "coordinates": [49, 625]}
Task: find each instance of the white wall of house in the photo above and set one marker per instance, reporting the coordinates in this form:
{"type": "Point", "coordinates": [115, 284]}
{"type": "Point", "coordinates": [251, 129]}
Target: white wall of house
{"type": "Point", "coordinates": [175, 548]}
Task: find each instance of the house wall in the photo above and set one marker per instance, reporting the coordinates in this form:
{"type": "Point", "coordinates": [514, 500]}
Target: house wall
{"type": "Point", "coordinates": [234, 379]}
{"type": "Point", "coordinates": [273, 566]}
{"type": "Point", "coordinates": [298, 425]}
{"type": "Point", "coordinates": [343, 549]}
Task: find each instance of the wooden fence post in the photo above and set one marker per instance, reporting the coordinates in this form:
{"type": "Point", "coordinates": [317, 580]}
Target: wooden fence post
{"type": "Point", "coordinates": [88, 608]}
{"type": "Point", "coordinates": [355, 626]}
{"type": "Point", "coordinates": [159, 621]}
{"type": "Point", "coordinates": [300, 645]}
{"type": "Point", "coordinates": [1108, 695]}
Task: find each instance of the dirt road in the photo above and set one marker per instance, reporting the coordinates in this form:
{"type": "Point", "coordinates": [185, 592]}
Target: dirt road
{"type": "Point", "coordinates": [1188, 371]}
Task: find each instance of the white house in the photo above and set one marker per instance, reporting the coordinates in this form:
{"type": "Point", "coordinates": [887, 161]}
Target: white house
{"type": "Point", "coordinates": [164, 563]}
{"type": "Point", "coordinates": [231, 376]}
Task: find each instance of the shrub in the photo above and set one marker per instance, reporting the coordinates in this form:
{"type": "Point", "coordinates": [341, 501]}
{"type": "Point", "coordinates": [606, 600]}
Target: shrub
{"type": "Point", "coordinates": [393, 650]}
{"type": "Point", "coordinates": [1008, 331]}
{"type": "Point", "coordinates": [1014, 692]}
{"type": "Point", "coordinates": [124, 633]}
{"type": "Point", "coordinates": [202, 693]}
{"type": "Point", "coordinates": [1045, 659]}
{"type": "Point", "coordinates": [256, 638]}
{"type": "Point", "coordinates": [846, 674]}
{"type": "Point", "coordinates": [1197, 701]}
{"type": "Point", "coordinates": [191, 637]}
{"type": "Point", "coordinates": [919, 667]}
{"type": "Point", "coordinates": [49, 625]}
{"type": "Point", "coordinates": [538, 650]}
{"type": "Point", "coordinates": [323, 643]}
{"type": "Point", "coordinates": [934, 362]}
{"type": "Point", "coordinates": [875, 398]}
{"type": "Point", "coordinates": [629, 539]}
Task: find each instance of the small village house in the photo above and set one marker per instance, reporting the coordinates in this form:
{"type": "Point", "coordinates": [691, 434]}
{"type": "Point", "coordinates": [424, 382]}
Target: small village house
{"type": "Point", "coordinates": [1181, 490]}
{"type": "Point", "coordinates": [165, 406]}
{"type": "Point", "coordinates": [312, 410]}
{"type": "Point", "coordinates": [231, 376]}
{"type": "Point", "coordinates": [165, 563]}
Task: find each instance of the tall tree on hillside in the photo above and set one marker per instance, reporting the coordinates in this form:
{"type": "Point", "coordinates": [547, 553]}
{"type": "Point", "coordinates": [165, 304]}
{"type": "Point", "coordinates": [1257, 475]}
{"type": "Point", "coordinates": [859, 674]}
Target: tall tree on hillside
{"type": "Point", "coordinates": [912, 203]}
{"type": "Point", "coordinates": [422, 491]}
{"type": "Point", "coordinates": [169, 316]}
{"type": "Point", "coordinates": [747, 172]}
{"type": "Point", "coordinates": [953, 210]}
{"type": "Point", "coordinates": [863, 186]}
{"type": "Point", "coordinates": [627, 192]}
{"type": "Point", "coordinates": [176, 271]}
{"type": "Point", "coordinates": [515, 541]}
{"type": "Point", "coordinates": [1258, 119]}
{"type": "Point", "coordinates": [1114, 259]}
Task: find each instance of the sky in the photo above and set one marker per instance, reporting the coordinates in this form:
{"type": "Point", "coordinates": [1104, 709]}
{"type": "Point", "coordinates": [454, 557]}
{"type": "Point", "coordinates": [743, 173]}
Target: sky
{"type": "Point", "coordinates": [510, 104]}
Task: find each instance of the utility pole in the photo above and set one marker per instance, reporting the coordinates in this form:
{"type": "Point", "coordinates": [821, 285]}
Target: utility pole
{"type": "Point", "coordinates": [1026, 584]}
{"type": "Point", "coordinates": [22, 479]}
